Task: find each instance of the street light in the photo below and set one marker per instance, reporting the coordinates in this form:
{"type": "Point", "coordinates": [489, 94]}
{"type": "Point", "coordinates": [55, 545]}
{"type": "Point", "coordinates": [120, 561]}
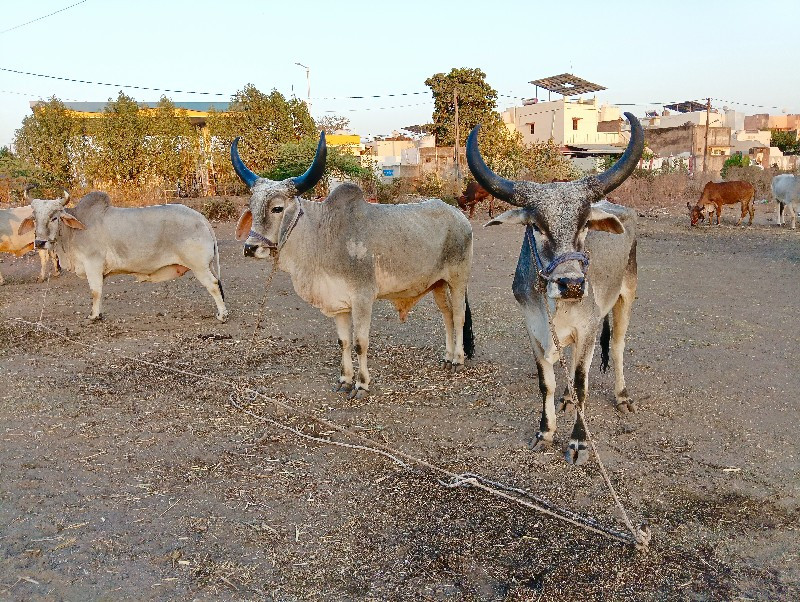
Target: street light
{"type": "Point", "coordinates": [308, 81]}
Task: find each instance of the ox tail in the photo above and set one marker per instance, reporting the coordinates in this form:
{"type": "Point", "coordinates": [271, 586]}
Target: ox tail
{"type": "Point", "coordinates": [215, 264]}
{"type": "Point", "coordinates": [605, 341]}
{"type": "Point", "coordinates": [469, 337]}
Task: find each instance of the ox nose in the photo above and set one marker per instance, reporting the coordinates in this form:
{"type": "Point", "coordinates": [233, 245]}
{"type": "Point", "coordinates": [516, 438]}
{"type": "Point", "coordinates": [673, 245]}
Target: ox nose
{"type": "Point", "coordinates": [250, 250]}
{"type": "Point", "coordinates": [572, 287]}
{"type": "Point", "coordinates": [39, 244]}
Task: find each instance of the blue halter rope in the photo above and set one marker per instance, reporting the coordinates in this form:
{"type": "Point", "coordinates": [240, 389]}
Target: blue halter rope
{"type": "Point", "coordinates": [546, 272]}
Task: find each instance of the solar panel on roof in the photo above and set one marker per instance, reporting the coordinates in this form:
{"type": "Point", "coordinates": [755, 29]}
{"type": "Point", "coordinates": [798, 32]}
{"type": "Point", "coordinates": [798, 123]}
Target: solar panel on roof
{"type": "Point", "coordinates": [567, 84]}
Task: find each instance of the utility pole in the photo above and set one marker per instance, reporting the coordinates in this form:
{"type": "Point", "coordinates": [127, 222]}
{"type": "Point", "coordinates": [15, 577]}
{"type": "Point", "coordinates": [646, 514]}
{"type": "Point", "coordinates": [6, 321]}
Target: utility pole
{"type": "Point", "coordinates": [458, 167]}
{"type": "Point", "coordinates": [308, 83]}
{"type": "Point", "coordinates": [705, 146]}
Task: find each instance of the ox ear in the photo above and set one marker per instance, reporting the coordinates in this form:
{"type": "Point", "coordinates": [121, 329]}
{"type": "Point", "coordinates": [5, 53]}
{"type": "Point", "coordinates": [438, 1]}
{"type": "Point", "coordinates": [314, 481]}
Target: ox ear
{"type": "Point", "coordinates": [26, 226]}
{"type": "Point", "coordinates": [244, 225]}
{"type": "Point", "coordinates": [72, 221]}
{"type": "Point", "coordinates": [512, 216]}
{"type": "Point", "coordinates": [605, 221]}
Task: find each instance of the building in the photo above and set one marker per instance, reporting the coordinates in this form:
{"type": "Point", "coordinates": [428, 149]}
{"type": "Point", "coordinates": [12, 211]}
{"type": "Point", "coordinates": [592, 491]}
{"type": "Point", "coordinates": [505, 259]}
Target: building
{"type": "Point", "coordinates": [567, 122]}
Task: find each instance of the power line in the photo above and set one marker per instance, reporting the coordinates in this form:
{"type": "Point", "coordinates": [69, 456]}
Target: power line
{"type": "Point", "coordinates": [61, 10]}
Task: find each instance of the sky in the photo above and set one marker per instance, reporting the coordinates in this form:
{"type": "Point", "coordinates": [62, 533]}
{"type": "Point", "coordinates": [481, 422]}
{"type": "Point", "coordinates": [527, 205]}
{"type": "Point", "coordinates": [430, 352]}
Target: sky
{"type": "Point", "coordinates": [644, 53]}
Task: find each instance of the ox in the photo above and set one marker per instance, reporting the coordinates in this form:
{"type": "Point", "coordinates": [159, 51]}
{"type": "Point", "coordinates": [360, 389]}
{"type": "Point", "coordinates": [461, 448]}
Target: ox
{"type": "Point", "coordinates": [786, 190]}
{"type": "Point", "coordinates": [344, 253]}
{"type": "Point", "coordinates": [474, 194]}
{"type": "Point", "coordinates": [717, 194]}
{"type": "Point", "coordinates": [562, 227]}
{"type": "Point", "coordinates": [154, 244]}
{"type": "Point", "coordinates": [19, 244]}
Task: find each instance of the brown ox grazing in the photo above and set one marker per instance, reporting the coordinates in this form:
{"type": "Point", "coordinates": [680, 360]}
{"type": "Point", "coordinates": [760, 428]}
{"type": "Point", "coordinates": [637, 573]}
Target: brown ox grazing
{"type": "Point", "coordinates": [474, 194]}
{"type": "Point", "coordinates": [717, 194]}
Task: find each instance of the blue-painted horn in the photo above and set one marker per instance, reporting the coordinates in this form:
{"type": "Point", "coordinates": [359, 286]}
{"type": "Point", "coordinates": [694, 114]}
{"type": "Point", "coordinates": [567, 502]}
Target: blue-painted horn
{"type": "Point", "coordinates": [618, 173]}
{"type": "Point", "coordinates": [497, 186]}
{"type": "Point", "coordinates": [314, 173]}
{"type": "Point", "coordinates": [247, 176]}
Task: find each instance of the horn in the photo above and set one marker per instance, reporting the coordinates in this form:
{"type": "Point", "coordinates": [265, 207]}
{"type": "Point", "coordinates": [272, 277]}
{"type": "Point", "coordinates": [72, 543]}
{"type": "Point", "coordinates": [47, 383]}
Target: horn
{"type": "Point", "coordinates": [617, 173]}
{"type": "Point", "coordinates": [65, 199]}
{"type": "Point", "coordinates": [247, 176]}
{"type": "Point", "coordinates": [314, 173]}
{"type": "Point", "coordinates": [497, 186]}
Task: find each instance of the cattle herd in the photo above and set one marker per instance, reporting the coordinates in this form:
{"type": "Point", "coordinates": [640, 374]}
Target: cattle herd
{"type": "Point", "coordinates": [575, 278]}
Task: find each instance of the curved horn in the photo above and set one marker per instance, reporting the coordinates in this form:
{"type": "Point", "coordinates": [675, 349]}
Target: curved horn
{"type": "Point", "coordinates": [314, 173]}
{"type": "Point", "coordinates": [617, 173]}
{"type": "Point", "coordinates": [497, 186]}
{"type": "Point", "coordinates": [247, 176]}
{"type": "Point", "coordinates": [65, 199]}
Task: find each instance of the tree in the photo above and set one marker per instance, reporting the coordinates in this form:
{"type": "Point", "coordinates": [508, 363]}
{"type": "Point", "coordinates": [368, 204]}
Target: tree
{"type": "Point", "coordinates": [294, 158]}
{"type": "Point", "coordinates": [51, 140]}
{"type": "Point", "coordinates": [786, 141]}
{"type": "Point", "coordinates": [264, 121]}
{"type": "Point", "coordinates": [476, 104]}
{"type": "Point", "coordinates": [172, 144]}
{"type": "Point", "coordinates": [120, 154]}
{"type": "Point", "coordinates": [332, 124]}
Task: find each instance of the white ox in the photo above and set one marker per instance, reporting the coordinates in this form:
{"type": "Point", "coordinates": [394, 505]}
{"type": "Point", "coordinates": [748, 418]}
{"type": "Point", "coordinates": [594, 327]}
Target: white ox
{"type": "Point", "coordinates": [554, 271]}
{"type": "Point", "coordinates": [344, 253]}
{"type": "Point", "coordinates": [786, 190]}
{"type": "Point", "coordinates": [19, 244]}
{"type": "Point", "coordinates": [154, 244]}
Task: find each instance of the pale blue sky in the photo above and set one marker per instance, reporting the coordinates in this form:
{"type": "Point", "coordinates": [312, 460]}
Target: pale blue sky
{"type": "Point", "coordinates": [643, 52]}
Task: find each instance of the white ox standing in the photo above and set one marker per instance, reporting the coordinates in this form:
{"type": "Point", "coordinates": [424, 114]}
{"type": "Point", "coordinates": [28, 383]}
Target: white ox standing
{"type": "Point", "coordinates": [154, 244]}
{"type": "Point", "coordinates": [555, 272]}
{"type": "Point", "coordinates": [19, 244]}
{"type": "Point", "coordinates": [344, 253]}
{"type": "Point", "coordinates": [786, 190]}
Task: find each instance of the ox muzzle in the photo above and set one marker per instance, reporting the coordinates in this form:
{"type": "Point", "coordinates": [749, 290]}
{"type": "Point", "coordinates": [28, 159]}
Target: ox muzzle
{"type": "Point", "coordinates": [40, 244]}
{"type": "Point", "coordinates": [260, 249]}
{"type": "Point", "coordinates": [568, 284]}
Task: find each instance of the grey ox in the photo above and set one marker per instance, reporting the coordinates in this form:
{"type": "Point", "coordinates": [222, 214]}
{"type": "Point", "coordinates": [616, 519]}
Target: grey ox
{"type": "Point", "coordinates": [344, 253]}
{"type": "Point", "coordinates": [95, 240]}
{"type": "Point", "coordinates": [786, 190]}
{"type": "Point", "coordinates": [563, 229]}
{"type": "Point", "coordinates": [19, 244]}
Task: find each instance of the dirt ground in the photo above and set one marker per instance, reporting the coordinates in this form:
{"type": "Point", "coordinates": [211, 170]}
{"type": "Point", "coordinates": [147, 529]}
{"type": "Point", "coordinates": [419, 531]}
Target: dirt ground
{"type": "Point", "coordinates": [120, 481]}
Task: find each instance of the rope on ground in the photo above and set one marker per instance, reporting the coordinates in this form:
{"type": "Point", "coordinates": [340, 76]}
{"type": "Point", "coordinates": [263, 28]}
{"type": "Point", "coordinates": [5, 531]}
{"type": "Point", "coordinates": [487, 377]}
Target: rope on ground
{"type": "Point", "coordinates": [395, 455]}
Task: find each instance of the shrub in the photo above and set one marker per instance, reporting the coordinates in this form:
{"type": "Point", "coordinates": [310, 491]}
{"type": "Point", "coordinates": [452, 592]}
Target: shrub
{"type": "Point", "coordinates": [219, 208]}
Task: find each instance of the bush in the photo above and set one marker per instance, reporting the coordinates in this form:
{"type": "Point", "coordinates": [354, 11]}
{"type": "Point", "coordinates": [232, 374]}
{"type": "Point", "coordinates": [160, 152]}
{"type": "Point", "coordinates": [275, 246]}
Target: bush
{"type": "Point", "coordinates": [219, 208]}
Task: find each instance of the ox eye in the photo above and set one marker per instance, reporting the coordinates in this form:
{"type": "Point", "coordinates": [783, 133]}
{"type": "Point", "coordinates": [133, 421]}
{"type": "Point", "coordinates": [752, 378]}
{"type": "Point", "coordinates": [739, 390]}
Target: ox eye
{"type": "Point", "coordinates": [277, 209]}
{"type": "Point", "coordinates": [54, 218]}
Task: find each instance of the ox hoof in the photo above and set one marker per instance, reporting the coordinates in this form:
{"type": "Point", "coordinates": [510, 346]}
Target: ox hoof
{"type": "Point", "coordinates": [456, 368]}
{"type": "Point", "coordinates": [566, 406]}
{"type": "Point", "coordinates": [342, 387]}
{"type": "Point", "coordinates": [577, 453]}
{"type": "Point", "coordinates": [97, 318]}
{"type": "Point", "coordinates": [358, 393]}
{"type": "Point", "coordinates": [447, 365]}
{"type": "Point", "coordinates": [625, 407]}
{"type": "Point", "coordinates": [542, 441]}
{"type": "Point", "coordinates": [222, 316]}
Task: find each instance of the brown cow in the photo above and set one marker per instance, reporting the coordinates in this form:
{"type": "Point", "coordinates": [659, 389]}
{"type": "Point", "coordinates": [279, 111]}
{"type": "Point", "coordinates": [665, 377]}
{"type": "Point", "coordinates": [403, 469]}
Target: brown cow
{"type": "Point", "coordinates": [474, 194]}
{"type": "Point", "coordinates": [717, 194]}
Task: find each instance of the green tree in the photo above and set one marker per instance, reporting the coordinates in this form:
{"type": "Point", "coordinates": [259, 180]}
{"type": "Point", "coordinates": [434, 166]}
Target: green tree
{"type": "Point", "coordinates": [294, 158]}
{"type": "Point", "coordinates": [265, 122]}
{"type": "Point", "coordinates": [333, 123]}
{"type": "Point", "coordinates": [119, 141]}
{"type": "Point", "coordinates": [476, 104]}
{"type": "Point", "coordinates": [51, 140]}
{"type": "Point", "coordinates": [172, 144]}
{"type": "Point", "coordinates": [786, 141]}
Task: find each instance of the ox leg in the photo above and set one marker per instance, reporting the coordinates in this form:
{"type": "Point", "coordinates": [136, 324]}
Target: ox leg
{"type": "Point", "coordinates": [362, 316]}
{"type": "Point", "coordinates": [344, 330]}
{"type": "Point", "coordinates": [95, 278]}
{"type": "Point", "coordinates": [793, 211]}
{"type": "Point", "coordinates": [1, 278]}
{"type": "Point", "coordinates": [780, 213]}
{"type": "Point", "coordinates": [458, 301]}
{"type": "Point", "coordinates": [44, 256]}
{"type": "Point", "coordinates": [214, 288]}
{"type": "Point", "coordinates": [621, 317]}
{"type": "Point", "coordinates": [719, 213]}
{"type": "Point", "coordinates": [56, 265]}
{"type": "Point", "coordinates": [491, 207]}
{"type": "Point", "coordinates": [443, 302]}
{"type": "Point", "coordinates": [578, 449]}
{"type": "Point", "coordinates": [547, 388]}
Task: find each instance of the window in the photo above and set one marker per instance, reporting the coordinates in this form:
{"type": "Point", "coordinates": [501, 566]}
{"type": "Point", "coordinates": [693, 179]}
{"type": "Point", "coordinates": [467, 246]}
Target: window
{"type": "Point", "coordinates": [533, 125]}
{"type": "Point", "coordinates": [575, 121]}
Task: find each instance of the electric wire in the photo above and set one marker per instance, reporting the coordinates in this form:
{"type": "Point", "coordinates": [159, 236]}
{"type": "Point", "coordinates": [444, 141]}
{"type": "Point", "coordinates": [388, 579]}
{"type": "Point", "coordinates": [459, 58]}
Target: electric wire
{"type": "Point", "coordinates": [61, 10]}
